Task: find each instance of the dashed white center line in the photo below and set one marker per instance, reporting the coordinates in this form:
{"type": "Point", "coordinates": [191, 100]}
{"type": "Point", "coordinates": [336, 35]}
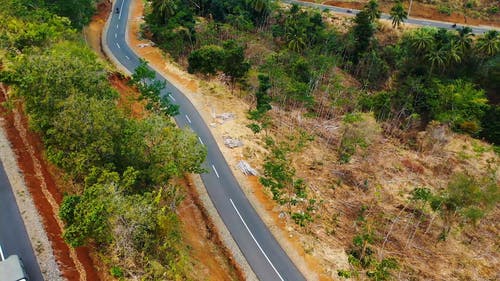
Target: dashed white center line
{"type": "Point", "coordinates": [116, 26]}
{"type": "Point", "coordinates": [217, 174]}
{"type": "Point", "coordinates": [201, 141]}
{"type": "Point", "coordinates": [170, 96]}
{"type": "Point", "coordinates": [118, 45]}
{"type": "Point", "coordinates": [255, 240]}
{"type": "Point", "coordinates": [116, 35]}
{"type": "Point", "coordinates": [127, 57]}
{"type": "Point", "coordinates": [189, 120]}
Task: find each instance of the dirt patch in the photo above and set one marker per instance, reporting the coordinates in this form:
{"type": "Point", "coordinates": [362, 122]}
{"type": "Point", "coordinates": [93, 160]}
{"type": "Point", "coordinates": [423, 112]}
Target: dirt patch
{"type": "Point", "coordinates": [212, 261]}
{"type": "Point", "coordinates": [420, 10]}
{"type": "Point", "coordinates": [93, 31]}
{"type": "Point", "coordinates": [75, 264]}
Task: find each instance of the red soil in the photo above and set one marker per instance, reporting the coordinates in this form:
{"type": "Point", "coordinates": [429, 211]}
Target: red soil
{"type": "Point", "coordinates": [420, 10]}
{"type": "Point", "coordinates": [75, 264]}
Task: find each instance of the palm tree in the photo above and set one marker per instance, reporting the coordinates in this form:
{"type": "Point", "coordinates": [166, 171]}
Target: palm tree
{"type": "Point", "coordinates": [422, 40]}
{"type": "Point", "coordinates": [372, 10]}
{"type": "Point", "coordinates": [489, 44]}
{"type": "Point", "coordinates": [258, 5]}
{"type": "Point", "coordinates": [398, 14]}
{"type": "Point", "coordinates": [464, 39]}
{"type": "Point", "coordinates": [164, 9]}
{"type": "Point", "coordinates": [436, 57]}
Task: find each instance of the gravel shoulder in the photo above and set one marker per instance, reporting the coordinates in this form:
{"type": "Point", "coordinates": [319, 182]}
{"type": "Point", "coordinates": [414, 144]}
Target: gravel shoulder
{"type": "Point", "coordinates": [29, 213]}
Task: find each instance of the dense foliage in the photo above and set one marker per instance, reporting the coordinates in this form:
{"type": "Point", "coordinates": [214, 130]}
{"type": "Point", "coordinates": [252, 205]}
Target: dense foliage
{"type": "Point", "coordinates": [435, 74]}
{"type": "Point", "coordinates": [122, 169]}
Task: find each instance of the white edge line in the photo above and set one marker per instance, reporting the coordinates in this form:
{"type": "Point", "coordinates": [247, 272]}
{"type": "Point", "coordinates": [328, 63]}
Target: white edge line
{"type": "Point", "coordinates": [189, 120]}
{"type": "Point", "coordinates": [170, 96]}
{"type": "Point", "coordinates": [201, 141]}
{"type": "Point", "coordinates": [217, 174]}
{"type": "Point", "coordinates": [1, 254]}
{"type": "Point", "coordinates": [121, 9]}
{"type": "Point", "coordinates": [255, 240]}
{"type": "Point", "coordinates": [118, 45]}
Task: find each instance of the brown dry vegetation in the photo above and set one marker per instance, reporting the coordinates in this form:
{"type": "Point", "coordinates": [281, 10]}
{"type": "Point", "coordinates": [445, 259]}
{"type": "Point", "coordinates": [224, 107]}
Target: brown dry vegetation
{"type": "Point", "coordinates": [379, 178]}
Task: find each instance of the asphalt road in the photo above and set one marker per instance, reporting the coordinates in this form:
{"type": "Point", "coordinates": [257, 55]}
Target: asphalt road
{"type": "Point", "coordinates": [410, 20]}
{"type": "Point", "coordinates": [13, 236]}
{"type": "Point", "coordinates": [265, 256]}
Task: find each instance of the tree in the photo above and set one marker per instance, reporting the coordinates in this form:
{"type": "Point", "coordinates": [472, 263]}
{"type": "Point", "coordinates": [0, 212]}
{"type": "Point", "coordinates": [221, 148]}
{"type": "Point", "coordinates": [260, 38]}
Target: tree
{"type": "Point", "coordinates": [421, 40]}
{"type": "Point", "coordinates": [206, 60]}
{"type": "Point", "coordinates": [235, 65]}
{"type": "Point", "coordinates": [163, 9]}
{"type": "Point", "coordinates": [489, 44]}
{"type": "Point", "coordinates": [363, 32]}
{"type": "Point", "coordinates": [150, 89]}
{"type": "Point", "coordinates": [464, 39]}
{"type": "Point", "coordinates": [373, 11]}
{"type": "Point", "coordinates": [78, 11]}
{"type": "Point", "coordinates": [398, 14]}
{"type": "Point", "coordinates": [262, 95]}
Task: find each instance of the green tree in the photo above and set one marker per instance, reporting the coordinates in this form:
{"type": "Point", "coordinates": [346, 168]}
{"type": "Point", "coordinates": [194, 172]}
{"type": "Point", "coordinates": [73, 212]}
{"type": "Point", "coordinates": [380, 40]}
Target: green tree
{"type": "Point", "coordinates": [398, 14]}
{"type": "Point", "coordinates": [44, 79]}
{"type": "Point", "coordinates": [373, 11]}
{"type": "Point", "coordinates": [150, 89]}
{"type": "Point", "coordinates": [488, 45]}
{"type": "Point", "coordinates": [206, 60]}
{"type": "Point", "coordinates": [78, 11]}
{"type": "Point", "coordinates": [363, 32]}
{"type": "Point", "coordinates": [235, 65]}
{"type": "Point", "coordinates": [163, 9]}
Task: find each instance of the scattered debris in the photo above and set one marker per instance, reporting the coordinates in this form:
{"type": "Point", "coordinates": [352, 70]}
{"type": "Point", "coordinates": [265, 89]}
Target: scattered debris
{"type": "Point", "coordinates": [143, 45]}
{"type": "Point", "coordinates": [225, 116]}
{"type": "Point", "coordinates": [246, 168]}
{"type": "Point", "coordinates": [232, 143]}
{"type": "Point", "coordinates": [213, 125]}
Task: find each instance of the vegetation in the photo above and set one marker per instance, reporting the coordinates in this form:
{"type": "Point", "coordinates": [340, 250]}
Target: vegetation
{"type": "Point", "coordinates": [123, 169]}
{"type": "Point", "coordinates": [296, 63]}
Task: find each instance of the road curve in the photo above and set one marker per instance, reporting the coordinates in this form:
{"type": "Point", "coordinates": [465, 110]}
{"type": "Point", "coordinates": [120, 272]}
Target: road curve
{"type": "Point", "coordinates": [410, 20]}
{"type": "Point", "coordinates": [263, 253]}
{"type": "Point", "coordinates": [14, 239]}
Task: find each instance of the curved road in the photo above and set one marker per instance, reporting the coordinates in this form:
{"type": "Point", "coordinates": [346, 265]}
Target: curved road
{"type": "Point", "coordinates": [410, 20]}
{"type": "Point", "coordinates": [14, 239]}
{"type": "Point", "coordinates": [261, 250]}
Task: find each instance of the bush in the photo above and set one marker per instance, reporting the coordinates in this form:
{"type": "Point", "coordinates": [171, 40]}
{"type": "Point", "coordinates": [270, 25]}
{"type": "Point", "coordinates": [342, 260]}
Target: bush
{"type": "Point", "coordinates": [444, 10]}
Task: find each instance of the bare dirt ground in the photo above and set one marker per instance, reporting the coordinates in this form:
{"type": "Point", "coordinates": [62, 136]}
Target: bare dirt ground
{"type": "Point", "coordinates": [421, 10]}
{"type": "Point", "coordinates": [41, 180]}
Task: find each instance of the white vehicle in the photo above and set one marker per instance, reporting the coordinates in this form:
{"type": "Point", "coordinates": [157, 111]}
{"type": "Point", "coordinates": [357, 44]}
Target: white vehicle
{"type": "Point", "coordinates": [12, 268]}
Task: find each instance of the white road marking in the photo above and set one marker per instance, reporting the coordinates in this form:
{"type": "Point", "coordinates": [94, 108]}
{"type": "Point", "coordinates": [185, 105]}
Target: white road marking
{"type": "Point", "coordinates": [1, 254]}
{"type": "Point", "coordinates": [116, 35]}
{"type": "Point", "coordinates": [255, 240]}
{"type": "Point", "coordinates": [170, 96]}
{"type": "Point", "coordinates": [127, 57]}
{"type": "Point", "coordinates": [118, 45]}
{"type": "Point", "coordinates": [116, 26]}
{"type": "Point", "coordinates": [121, 9]}
{"type": "Point", "coordinates": [217, 174]}
{"type": "Point", "coordinates": [201, 141]}
{"type": "Point", "coordinates": [189, 120]}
